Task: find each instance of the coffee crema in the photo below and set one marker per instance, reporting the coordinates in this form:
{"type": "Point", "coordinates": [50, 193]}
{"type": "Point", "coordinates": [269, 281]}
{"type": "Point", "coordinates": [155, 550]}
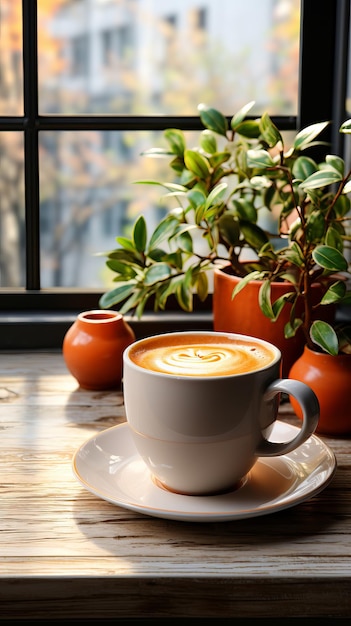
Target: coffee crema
{"type": "Point", "coordinates": [200, 356]}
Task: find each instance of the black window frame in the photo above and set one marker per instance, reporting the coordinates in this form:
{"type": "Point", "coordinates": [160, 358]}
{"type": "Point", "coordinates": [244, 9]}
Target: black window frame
{"type": "Point", "coordinates": [38, 318]}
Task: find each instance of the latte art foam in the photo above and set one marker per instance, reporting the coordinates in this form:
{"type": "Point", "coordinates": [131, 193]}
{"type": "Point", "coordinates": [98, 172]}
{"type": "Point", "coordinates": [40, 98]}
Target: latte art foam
{"type": "Point", "coordinates": [205, 358]}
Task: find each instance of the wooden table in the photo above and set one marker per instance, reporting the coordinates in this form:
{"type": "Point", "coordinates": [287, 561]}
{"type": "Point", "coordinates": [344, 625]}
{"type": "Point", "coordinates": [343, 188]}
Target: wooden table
{"type": "Point", "coordinates": [65, 553]}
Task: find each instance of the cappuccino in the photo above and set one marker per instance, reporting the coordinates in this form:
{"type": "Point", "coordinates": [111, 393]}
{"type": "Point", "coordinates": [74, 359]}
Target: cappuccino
{"type": "Point", "coordinates": [201, 407]}
{"type": "Point", "coordinates": [200, 354]}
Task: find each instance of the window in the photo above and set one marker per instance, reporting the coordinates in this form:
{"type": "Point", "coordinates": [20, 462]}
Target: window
{"type": "Point", "coordinates": [69, 154]}
{"type": "Point", "coordinates": [201, 19]}
{"type": "Point", "coordinates": [79, 55]}
{"type": "Point", "coordinates": [116, 43]}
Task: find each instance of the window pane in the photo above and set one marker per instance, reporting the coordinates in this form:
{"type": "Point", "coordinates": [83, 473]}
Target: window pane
{"type": "Point", "coordinates": [12, 247]}
{"type": "Point", "coordinates": [11, 75]}
{"type": "Point", "coordinates": [92, 192]}
{"type": "Point", "coordinates": [88, 199]}
{"type": "Point", "coordinates": [164, 57]}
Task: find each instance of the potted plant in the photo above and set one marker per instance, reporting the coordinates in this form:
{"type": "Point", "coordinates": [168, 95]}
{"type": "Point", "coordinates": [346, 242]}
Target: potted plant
{"type": "Point", "coordinates": [240, 173]}
{"type": "Point", "coordinates": [315, 253]}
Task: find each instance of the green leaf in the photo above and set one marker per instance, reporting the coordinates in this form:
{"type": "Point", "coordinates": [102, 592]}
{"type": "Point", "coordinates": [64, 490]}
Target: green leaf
{"type": "Point", "coordinates": [170, 186]}
{"type": "Point", "coordinates": [186, 242]}
{"type": "Point", "coordinates": [335, 293]}
{"type": "Point", "coordinates": [280, 302]}
{"type": "Point", "coordinates": [264, 299]}
{"type": "Point", "coordinates": [294, 255]}
{"type": "Point", "coordinates": [322, 178]}
{"type": "Point", "coordinates": [183, 228]}
{"type": "Point", "coordinates": [289, 277]}
{"type": "Point", "coordinates": [249, 129]}
{"type": "Point", "coordinates": [173, 259]}
{"type": "Point", "coordinates": [208, 141]}
{"type": "Point", "coordinates": [213, 119]}
{"type": "Point", "coordinates": [199, 214]}
{"type": "Point", "coordinates": [165, 229]}
{"type": "Point", "coordinates": [245, 210]}
{"type": "Point", "coordinates": [157, 152]}
{"type": "Point", "coordinates": [162, 293]}
{"type": "Point", "coordinates": [216, 160]}
{"type": "Point", "coordinates": [315, 226]}
{"type": "Point", "coordinates": [304, 138]}
{"type": "Point", "coordinates": [157, 254]}
{"type": "Point", "coordinates": [229, 229]}
{"type": "Point", "coordinates": [156, 273]}
{"type": "Point", "coordinates": [303, 168]}
{"type": "Point", "coordinates": [264, 183]}
{"type": "Point", "coordinates": [346, 127]}
{"type": "Point", "coordinates": [259, 159]}
{"type": "Point", "coordinates": [132, 301]}
{"type": "Point", "coordinates": [347, 187]}
{"type": "Point", "coordinates": [127, 244]}
{"type": "Point", "coordinates": [324, 336]}
{"type": "Point", "coordinates": [267, 252]}
{"type": "Point", "coordinates": [329, 258]}
{"type": "Point", "coordinates": [291, 328]}
{"type": "Point", "coordinates": [196, 197]}
{"type": "Point", "coordinates": [216, 195]}
{"type": "Point", "coordinates": [125, 256]}
{"type": "Point", "coordinates": [176, 139]}
{"type": "Point", "coordinates": [253, 235]}
{"type": "Point", "coordinates": [270, 132]}
{"type": "Point", "coordinates": [333, 239]}
{"type": "Point", "coordinates": [141, 306]}
{"type": "Point", "coordinates": [256, 275]}
{"type": "Point", "coordinates": [117, 295]}
{"type": "Point", "coordinates": [218, 174]}
{"type": "Point", "coordinates": [336, 162]}
{"type": "Point", "coordinates": [119, 267]}
{"type": "Point", "coordinates": [202, 286]}
{"type": "Point", "coordinates": [241, 114]}
{"type": "Point", "coordinates": [175, 194]}
{"type": "Point", "coordinates": [140, 234]}
{"type": "Point", "coordinates": [184, 292]}
{"type": "Point", "coordinates": [343, 204]}
{"type": "Point", "coordinates": [177, 164]}
{"type": "Point", "coordinates": [197, 164]}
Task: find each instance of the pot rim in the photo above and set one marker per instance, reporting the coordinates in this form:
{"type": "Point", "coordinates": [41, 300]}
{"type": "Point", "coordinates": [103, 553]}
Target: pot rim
{"type": "Point", "coordinates": [317, 354]}
{"type": "Point", "coordinates": [98, 316]}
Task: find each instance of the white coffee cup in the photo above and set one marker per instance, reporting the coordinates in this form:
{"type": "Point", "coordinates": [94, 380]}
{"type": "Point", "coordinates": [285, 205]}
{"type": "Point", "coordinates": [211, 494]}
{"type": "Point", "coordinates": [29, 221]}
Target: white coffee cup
{"type": "Point", "coordinates": [198, 419]}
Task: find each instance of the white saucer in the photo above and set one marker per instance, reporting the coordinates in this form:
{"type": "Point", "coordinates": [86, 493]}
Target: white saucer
{"type": "Point", "coordinates": [108, 466]}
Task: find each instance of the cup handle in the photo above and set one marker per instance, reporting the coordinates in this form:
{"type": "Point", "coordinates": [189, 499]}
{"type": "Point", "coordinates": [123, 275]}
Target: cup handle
{"type": "Point", "coordinates": [309, 404]}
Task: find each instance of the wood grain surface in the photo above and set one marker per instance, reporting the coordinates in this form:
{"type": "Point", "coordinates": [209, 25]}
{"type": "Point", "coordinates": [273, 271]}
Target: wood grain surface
{"type": "Point", "coordinates": [64, 553]}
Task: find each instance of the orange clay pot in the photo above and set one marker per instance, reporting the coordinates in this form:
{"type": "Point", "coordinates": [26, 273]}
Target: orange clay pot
{"type": "Point", "coordinates": [330, 379]}
{"type": "Point", "coordinates": [243, 314]}
{"type": "Point", "coordinates": [93, 347]}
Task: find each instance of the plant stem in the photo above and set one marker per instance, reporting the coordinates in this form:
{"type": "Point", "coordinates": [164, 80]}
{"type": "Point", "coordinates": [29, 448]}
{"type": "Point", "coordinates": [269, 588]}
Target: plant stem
{"type": "Point", "coordinates": [307, 306]}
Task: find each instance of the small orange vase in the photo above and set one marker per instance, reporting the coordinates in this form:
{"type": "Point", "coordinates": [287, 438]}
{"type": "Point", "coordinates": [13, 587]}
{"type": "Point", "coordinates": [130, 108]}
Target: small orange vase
{"type": "Point", "coordinates": [330, 378]}
{"type": "Point", "coordinates": [93, 347]}
{"type": "Point", "coordinates": [243, 314]}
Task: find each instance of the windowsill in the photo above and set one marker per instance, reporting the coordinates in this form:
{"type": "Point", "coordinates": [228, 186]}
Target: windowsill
{"type": "Point", "coordinates": [44, 330]}
{"type": "Point", "coordinates": [37, 330]}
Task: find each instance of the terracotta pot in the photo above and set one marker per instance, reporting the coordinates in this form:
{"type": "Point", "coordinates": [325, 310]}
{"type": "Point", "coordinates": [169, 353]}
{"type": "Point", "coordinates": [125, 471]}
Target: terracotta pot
{"type": "Point", "coordinates": [330, 378]}
{"type": "Point", "coordinates": [93, 347]}
{"type": "Point", "coordinates": [243, 314]}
